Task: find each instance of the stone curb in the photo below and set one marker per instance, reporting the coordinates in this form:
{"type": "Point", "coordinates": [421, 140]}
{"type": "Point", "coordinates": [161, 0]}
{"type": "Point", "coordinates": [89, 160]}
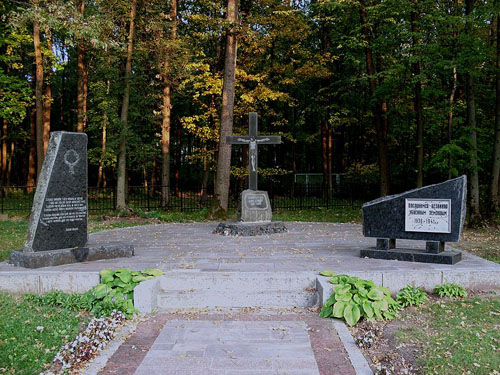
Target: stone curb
{"type": "Point", "coordinates": [42, 282]}
{"type": "Point", "coordinates": [357, 359]}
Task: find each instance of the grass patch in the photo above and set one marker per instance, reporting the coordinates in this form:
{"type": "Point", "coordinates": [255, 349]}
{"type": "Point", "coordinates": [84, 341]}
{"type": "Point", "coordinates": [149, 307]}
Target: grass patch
{"type": "Point", "coordinates": [458, 337]}
{"type": "Point", "coordinates": [31, 334]}
{"type": "Point", "coordinates": [12, 236]}
{"type": "Point", "coordinates": [336, 215]}
{"type": "Point", "coordinates": [482, 242]}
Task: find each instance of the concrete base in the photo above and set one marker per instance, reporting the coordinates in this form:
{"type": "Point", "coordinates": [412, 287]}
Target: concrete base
{"type": "Point", "coordinates": [179, 290]}
{"type": "Point", "coordinates": [243, 228]}
{"type": "Point", "coordinates": [75, 255]}
{"type": "Point", "coordinates": [407, 255]}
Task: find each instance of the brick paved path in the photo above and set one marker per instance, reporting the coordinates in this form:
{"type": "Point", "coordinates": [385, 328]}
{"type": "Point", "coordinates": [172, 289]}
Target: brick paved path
{"type": "Point", "coordinates": [272, 343]}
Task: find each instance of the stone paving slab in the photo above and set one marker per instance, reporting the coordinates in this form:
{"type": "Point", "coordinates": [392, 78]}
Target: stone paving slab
{"type": "Point", "coordinates": [309, 247]}
{"type": "Point", "coordinates": [261, 343]}
{"type": "Point", "coordinates": [306, 247]}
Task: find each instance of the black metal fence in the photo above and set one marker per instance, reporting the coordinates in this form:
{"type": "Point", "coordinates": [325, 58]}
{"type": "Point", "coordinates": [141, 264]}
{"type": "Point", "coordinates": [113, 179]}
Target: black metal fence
{"type": "Point", "coordinates": [158, 198]}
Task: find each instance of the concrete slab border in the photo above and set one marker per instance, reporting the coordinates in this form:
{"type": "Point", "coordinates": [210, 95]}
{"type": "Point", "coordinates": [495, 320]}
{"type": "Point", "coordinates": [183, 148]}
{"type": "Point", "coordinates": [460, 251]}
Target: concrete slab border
{"type": "Point", "coordinates": [357, 359]}
{"type": "Point", "coordinates": [42, 282]}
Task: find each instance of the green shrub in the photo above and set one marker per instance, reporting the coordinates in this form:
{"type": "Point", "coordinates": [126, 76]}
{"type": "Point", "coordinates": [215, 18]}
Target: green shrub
{"type": "Point", "coordinates": [451, 290]}
{"type": "Point", "coordinates": [71, 302]}
{"type": "Point", "coordinates": [354, 298]}
{"type": "Point", "coordinates": [116, 290]}
{"type": "Point", "coordinates": [411, 296]}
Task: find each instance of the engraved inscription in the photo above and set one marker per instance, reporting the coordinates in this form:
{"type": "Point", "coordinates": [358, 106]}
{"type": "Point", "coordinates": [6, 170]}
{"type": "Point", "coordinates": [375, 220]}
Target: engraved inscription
{"type": "Point", "coordinates": [256, 201]}
{"type": "Point", "coordinates": [71, 159]}
{"type": "Point", "coordinates": [64, 210]}
{"type": "Point", "coordinates": [428, 215]}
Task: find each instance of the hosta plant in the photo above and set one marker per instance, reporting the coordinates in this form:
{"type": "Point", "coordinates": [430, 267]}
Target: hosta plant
{"type": "Point", "coordinates": [411, 296]}
{"type": "Point", "coordinates": [116, 290]}
{"type": "Point", "coordinates": [354, 298]}
{"type": "Point", "coordinates": [451, 290]}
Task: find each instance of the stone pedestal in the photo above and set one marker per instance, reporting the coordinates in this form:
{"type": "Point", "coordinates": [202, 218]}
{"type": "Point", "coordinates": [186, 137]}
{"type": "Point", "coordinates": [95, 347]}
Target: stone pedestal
{"type": "Point", "coordinates": [254, 206]}
{"type": "Point", "coordinates": [254, 217]}
{"type": "Point", "coordinates": [58, 257]}
{"type": "Point", "coordinates": [57, 231]}
{"type": "Point", "coordinates": [433, 213]}
{"type": "Point", "coordinates": [240, 228]}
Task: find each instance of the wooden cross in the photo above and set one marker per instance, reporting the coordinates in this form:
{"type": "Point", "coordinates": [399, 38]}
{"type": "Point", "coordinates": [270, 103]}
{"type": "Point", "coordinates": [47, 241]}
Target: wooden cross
{"type": "Point", "coordinates": [253, 140]}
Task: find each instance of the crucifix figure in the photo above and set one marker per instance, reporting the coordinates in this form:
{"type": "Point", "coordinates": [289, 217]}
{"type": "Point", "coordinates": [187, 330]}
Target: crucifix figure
{"type": "Point", "coordinates": [253, 140]}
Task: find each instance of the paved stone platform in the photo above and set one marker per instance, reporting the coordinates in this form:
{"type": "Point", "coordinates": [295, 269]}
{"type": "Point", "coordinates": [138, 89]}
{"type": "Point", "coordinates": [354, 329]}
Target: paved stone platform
{"type": "Point", "coordinates": [272, 343]}
{"type": "Point", "coordinates": [306, 247]}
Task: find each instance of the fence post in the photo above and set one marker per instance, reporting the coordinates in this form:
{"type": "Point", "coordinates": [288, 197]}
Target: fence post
{"type": "Point", "coordinates": [1, 198]}
{"type": "Point", "coordinates": [114, 197]}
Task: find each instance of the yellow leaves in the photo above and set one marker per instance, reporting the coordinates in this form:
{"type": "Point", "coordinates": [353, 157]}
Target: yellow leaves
{"type": "Point", "coordinates": [247, 98]}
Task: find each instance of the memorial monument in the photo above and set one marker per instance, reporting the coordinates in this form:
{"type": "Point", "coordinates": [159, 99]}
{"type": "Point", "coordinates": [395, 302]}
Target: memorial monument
{"type": "Point", "coordinates": [254, 208]}
{"type": "Point", "coordinates": [434, 213]}
{"type": "Point", "coordinates": [57, 232]}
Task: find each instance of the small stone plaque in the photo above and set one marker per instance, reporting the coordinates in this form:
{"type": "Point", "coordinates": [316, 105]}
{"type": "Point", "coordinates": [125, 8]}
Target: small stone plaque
{"type": "Point", "coordinates": [428, 215]}
{"type": "Point", "coordinates": [255, 206]}
{"type": "Point", "coordinates": [256, 201]}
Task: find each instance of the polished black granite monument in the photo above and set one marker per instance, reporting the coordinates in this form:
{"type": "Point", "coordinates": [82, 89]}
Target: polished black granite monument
{"type": "Point", "coordinates": [434, 213]}
{"type": "Point", "coordinates": [254, 208]}
{"type": "Point", "coordinates": [57, 232]}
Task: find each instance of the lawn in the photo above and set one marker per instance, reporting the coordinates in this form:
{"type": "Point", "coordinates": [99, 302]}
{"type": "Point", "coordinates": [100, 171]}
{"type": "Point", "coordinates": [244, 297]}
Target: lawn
{"type": "Point", "coordinates": [442, 337]}
{"type": "Point", "coordinates": [31, 334]}
{"type": "Point", "coordinates": [12, 236]}
{"type": "Point", "coordinates": [484, 242]}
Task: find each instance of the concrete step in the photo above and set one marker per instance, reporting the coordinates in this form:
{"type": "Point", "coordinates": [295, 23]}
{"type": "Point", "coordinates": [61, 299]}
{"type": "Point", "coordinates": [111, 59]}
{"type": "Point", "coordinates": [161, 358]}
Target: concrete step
{"type": "Point", "coordinates": [210, 290]}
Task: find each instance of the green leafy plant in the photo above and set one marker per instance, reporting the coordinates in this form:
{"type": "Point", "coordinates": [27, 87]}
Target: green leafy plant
{"type": "Point", "coordinates": [354, 298]}
{"type": "Point", "coordinates": [451, 290]}
{"type": "Point", "coordinates": [116, 290]}
{"type": "Point", "coordinates": [71, 302]}
{"type": "Point", "coordinates": [411, 296]}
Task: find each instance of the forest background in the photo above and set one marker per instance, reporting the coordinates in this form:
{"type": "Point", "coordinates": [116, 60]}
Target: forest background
{"type": "Point", "coordinates": [391, 94]}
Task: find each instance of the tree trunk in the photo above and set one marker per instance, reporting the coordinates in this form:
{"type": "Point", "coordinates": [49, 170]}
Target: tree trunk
{"type": "Point", "coordinates": [63, 88]}
{"type": "Point", "coordinates": [81, 95]}
{"type": "Point", "coordinates": [495, 172]}
{"type": "Point", "coordinates": [204, 180]}
{"type": "Point", "coordinates": [122, 152]}
{"type": "Point", "coordinates": [11, 158]}
{"type": "Point", "coordinates": [418, 102]}
{"type": "Point", "coordinates": [167, 113]}
{"type": "Point", "coordinates": [330, 158]}
{"type": "Point", "coordinates": [101, 177]}
{"type": "Point", "coordinates": [47, 102]}
{"type": "Point", "coordinates": [450, 118]}
{"type": "Point", "coordinates": [3, 155]}
{"type": "Point", "coordinates": [475, 214]}
{"type": "Point", "coordinates": [226, 127]}
{"type": "Point", "coordinates": [324, 154]}
{"type": "Point", "coordinates": [32, 156]}
{"type": "Point", "coordinates": [178, 160]}
{"type": "Point", "coordinates": [379, 110]}
{"type": "Point", "coordinates": [154, 181]}
{"type": "Point", "coordinates": [38, 96]}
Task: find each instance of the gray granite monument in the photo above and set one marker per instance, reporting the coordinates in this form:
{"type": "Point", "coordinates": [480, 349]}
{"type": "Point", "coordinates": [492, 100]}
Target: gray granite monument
{"type": "Point", "coordinates": [434, 213]}
{"type": "Point", "coordinates": [254, 208]}
{"type": "Point", "coordinates": [57, 232]}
